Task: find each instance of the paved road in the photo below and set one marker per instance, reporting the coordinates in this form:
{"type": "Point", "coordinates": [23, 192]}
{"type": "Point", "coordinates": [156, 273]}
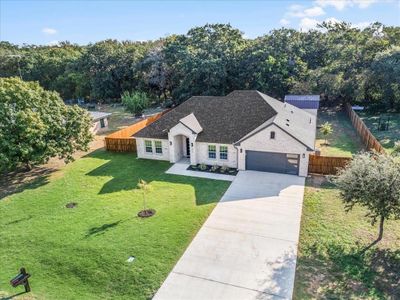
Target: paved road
{"type": "Point", "coordinates": [247, 247]}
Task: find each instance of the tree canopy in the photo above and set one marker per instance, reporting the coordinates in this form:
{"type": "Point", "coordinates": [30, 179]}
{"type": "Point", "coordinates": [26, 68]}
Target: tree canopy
{"type": "Point", "coordinates": [36, 125]}
{"type": "Point", "coordinates": [372, 181]}
{"type": "Point", "coordinates": [338, 61]}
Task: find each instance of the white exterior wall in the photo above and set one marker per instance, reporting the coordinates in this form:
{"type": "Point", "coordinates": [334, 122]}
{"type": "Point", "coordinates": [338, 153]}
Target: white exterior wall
{"type": "Point", "coordinates": [96, 128]}
{"type": "Point", "coordinates": [202, 155]}
{"type": "Point", "coordinates": [312, 111]}
{"type": "Point", "coordinates": [141, 151]}
{"type": "Point", "coordinates": [283, 143]}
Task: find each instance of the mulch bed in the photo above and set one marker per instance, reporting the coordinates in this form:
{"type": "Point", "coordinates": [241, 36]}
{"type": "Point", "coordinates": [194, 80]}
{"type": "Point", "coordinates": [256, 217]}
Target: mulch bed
{"type": "Point", "coordinates": [213, 169]}
{"type": "Point", "coordinates": [146, 213]}
{"type": "Point", "coordinates": [71, 205]}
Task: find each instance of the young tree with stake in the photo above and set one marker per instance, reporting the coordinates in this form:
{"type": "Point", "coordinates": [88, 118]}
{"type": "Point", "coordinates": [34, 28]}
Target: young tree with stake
{"type": "Point", "coordinates": [326, 129]}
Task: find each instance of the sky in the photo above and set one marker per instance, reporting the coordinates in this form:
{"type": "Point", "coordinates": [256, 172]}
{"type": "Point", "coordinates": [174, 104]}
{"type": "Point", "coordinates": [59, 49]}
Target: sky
{"type": "Point", "coordinates": [86, 21]}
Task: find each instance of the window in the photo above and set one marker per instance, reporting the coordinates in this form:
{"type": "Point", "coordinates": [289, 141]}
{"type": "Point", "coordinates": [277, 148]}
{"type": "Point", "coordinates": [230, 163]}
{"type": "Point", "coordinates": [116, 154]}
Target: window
{"type": "Point", "coordinates": [102, 124]}
{"type": "Point", "coordinates": [223, 152]}
{"type": "Point", "coordinates": [212, 149]}
{"type": "Point", "coordinates": [148, 146]}
{"type": "Point", "coordinates": [158, 146]}
{"type": "Point", "coordinates": [272, 135]}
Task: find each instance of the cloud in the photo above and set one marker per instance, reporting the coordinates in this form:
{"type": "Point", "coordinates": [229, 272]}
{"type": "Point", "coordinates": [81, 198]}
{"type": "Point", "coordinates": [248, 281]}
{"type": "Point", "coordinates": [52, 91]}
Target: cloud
{"type": "Point", "coordinates": [284, 22]}
{"type": "Point", "coordinates": [298, 11]}
{"type": "Point", "coordinates": [49, 31]}
{"type": "Point", "coordinates": [308, 23]}
{"type": "Point", "coordinates": [332, 20]}
{"type": "Point", "coordinates": [53, 43]}
{"type": "Point", "coordinates": [314, 11]}
{"type": "Point", "coordinates": [361, 25]}
{"type": "Point", "coordinates": [341, 4]}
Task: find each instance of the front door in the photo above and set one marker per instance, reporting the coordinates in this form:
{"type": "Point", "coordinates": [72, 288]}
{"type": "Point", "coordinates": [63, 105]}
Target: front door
{"type": "Point", "coordinates": [187, 147]}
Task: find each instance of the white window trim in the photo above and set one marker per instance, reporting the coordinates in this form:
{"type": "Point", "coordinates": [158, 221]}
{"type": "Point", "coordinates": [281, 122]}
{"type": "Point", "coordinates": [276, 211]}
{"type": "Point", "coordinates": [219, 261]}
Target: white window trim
{"type": "Point", "coordinates": [215, 152]}
{"type": "Point", "coordinates": [219, 154]}
{"type": "Point", "coordinates": [155, 148]}
{"type": "Point", "coordinates": [145, 147]}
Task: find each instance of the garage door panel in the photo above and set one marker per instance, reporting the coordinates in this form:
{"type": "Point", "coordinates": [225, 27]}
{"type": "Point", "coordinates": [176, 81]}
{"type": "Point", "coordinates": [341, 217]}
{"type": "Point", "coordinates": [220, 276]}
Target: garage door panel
{"type": "Point", "coordinates": [272, 162]}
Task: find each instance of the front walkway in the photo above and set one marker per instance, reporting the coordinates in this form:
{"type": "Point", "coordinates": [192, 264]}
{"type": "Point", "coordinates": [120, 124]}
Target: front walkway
{"type": "Point", "coordinates": [180, 167]}
{"type": "Point", "coordinates": [247, 248]}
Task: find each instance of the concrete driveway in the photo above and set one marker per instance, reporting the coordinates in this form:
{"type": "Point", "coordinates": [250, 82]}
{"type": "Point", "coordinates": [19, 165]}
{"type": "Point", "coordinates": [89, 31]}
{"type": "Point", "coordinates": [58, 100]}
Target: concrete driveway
{"type": "Point", "coordinates": [247, 247]}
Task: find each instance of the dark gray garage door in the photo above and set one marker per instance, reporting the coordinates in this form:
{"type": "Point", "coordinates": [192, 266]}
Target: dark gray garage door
{"type": "Point", "coordinates": [272, 162]}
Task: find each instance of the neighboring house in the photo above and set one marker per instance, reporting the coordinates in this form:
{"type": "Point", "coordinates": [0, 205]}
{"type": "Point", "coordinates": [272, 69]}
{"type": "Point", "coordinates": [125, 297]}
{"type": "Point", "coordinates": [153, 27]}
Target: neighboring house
{"type": "Point", "coordinates": [309, 103]}
{"type": "Point", "coordinates": [100, 121]}
{"type": "Point", "coordinates": [247, 130]}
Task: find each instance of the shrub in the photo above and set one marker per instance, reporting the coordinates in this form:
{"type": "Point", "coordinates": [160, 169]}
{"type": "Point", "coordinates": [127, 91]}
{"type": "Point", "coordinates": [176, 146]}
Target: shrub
{"type": "Point", "coordinates": [224, 169]}
{"type": "Point", "coordinates": [203, 167]}
{"type": "Point", "coordinates": [135, 102]}
{"type": "Point", "coordinates": [214, 168]}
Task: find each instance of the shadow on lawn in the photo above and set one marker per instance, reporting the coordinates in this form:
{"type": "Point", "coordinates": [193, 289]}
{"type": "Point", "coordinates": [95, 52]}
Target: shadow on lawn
{"type": "Point", "coordinates": [18, 181]}
{"type": "Point", "coordinates": [94, 231]}
{"type": "Point", "coordinates": [126, 173]}
{"type": "Point", "coordinates": [351, 274]}
{"type": "Point", "coordinates": [12, 296]}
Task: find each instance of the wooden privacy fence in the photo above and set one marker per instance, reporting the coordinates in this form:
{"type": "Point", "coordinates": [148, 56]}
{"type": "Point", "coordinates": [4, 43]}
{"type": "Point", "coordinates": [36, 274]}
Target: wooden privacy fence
{"type": "Point", "coordinates": [367, 137]}
{"type": "Point", "coordinates": [326, 165]}
{"type": "Point", "coordinates": [122, 140]}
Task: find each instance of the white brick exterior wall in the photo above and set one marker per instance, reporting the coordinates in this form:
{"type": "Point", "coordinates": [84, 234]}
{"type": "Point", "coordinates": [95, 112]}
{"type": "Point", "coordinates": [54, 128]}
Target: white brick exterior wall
{"type": "Point", "coordinates": [202, 155]}
{"type": "Point", "coordinates": [141, 151]}
{"type": "Point", "coordinates": [283, 143]}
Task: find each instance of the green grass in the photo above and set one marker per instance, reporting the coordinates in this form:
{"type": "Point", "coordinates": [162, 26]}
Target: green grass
{"type": "Point", "coordinates": [344, 140]}
{"type": "Point", "coordinates": [81, 253]}
{"type": "Point", "coordinates": [330, 264]}
{"type": "Point", "coordinates": [386, 138]}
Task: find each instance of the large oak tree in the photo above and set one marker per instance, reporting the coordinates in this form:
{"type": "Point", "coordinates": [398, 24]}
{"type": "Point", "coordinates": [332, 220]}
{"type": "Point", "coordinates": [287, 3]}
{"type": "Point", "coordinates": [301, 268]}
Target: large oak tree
{"type": "Point", "coordinates": [36, 125]}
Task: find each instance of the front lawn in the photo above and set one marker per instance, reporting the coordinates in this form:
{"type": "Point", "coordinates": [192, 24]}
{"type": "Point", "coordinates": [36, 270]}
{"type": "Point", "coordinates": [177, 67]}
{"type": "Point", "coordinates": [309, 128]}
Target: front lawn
{"type": "Point", "coordinates": [388, 137]}
{"type": "Point", "coordinates": [82, 252]}
{"type": "Point", "coordinates": [344, 140]}
{"type": "Point", "coordinates": [330, 264]}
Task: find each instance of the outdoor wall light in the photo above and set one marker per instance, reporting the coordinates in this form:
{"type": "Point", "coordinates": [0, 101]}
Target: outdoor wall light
{"type": "Point", "coordinates": [241, 150]}
{"type": "Point", "coordinates": [304, 156]}
{"type": "Point", "coordinates": [170, 143]}
{"type": "Point", "coordinates": [191, 144]}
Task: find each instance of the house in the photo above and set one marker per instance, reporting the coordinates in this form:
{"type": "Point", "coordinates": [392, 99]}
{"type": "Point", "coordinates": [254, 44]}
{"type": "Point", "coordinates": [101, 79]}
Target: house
{"type": "Point", "coordinates": [309, 103]}
{"type": "Point", "coordinates": [100, 121]}
{"type": "Point", "coordinates": [246, 130]}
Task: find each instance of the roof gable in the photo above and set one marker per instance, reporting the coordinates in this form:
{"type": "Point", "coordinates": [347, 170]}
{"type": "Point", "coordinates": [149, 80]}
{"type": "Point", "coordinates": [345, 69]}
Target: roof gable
{"type": "Point", "coordinates": [192, 123]}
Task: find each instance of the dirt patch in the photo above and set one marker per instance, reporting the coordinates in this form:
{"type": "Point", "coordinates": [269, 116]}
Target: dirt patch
{"type": "Point", "coordinates": [15, 182]}
{"type": "Point", "coordinates": [316, 181]}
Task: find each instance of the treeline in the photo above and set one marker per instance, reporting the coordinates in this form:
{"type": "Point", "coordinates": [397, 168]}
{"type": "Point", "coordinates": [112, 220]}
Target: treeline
{"type": "Point", "coordinates": [338, 61]}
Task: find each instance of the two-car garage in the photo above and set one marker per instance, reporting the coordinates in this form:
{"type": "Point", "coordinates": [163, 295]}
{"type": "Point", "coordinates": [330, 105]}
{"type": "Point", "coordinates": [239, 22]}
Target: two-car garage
{"type": "Point", "coordinates": [272, 162]}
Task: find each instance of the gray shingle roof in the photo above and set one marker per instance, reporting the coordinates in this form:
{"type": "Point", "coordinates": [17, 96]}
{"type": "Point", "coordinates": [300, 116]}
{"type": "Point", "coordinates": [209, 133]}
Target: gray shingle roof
{"type": "Point", "coordinates": [97, 115]}
{"type": "Point", "coordinates": [228, 119]}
